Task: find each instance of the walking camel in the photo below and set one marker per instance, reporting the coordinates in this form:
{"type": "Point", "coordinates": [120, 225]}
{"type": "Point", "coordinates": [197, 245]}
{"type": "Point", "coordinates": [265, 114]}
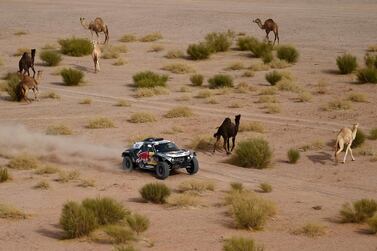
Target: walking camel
{"type": "Point", "coordinates": [26, 84]}
{"type": "Point", "coordinates": [227, 130]}
{"type": "Point", "coordinates": [27, 62]}
{"type": "Point", "coordinates": [96, 54]}
{"type": "Point", "coordinates": [269, 25]}
{"type": "Point", "coordinates": [97, 26]}
{"type": "Point", "coordinates": [345, 137]}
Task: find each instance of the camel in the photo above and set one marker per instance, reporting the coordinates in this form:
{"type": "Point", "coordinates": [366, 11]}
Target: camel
{"type": "Point", "coordinates": [97, 26]}
{"type": "Point", "coordinates": [96, 54]}
{"type": "Point", "coordinates": [269, 25]}
{"type": "Point", "coordinates": [227, 130]}
{"type": "Point", "coordinates": [27, 62]}
{"type": "Point", "coordinates": [345, 137]}
{"type": "Point", "coordinates": [26, 84]}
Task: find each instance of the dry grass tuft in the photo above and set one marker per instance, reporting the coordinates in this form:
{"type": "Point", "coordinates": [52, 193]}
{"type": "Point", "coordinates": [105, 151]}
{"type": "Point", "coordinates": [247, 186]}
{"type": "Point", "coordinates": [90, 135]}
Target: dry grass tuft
{"type": "Point", "coordinates": [155, 192]}
{"type": "Point", "coordinates": [43, 185]}
{"type": "Point", "coordinates": [202, 143]}
{"type": "Point", "coordinates": [179, 112]}
{"type": "Point", "coordinates": [266, 99]}
{"type": "Point", "coordinates": [150, 92]}
{"type": "Point", "coordinates": [236, 66]}
{"type": "Point", "coordinates": [137, 222]}
{"type": "Point", "coordinates": [126, 38]}
{"type": "Point", "coordinates": [241, 244]}
{"type": "Point", "coordinates": [9, 212]}
{"type": "Point", "coordinates": [119, 62]}
{"type": "Point", "coordinates": [183, 200]}
{"type": "Point", "coordinates": [311, 230]}
{"type": "Point", "coordinates": [287, 84]}
{"type": "Point", "coordinates": [178, 68]}
{"type": "Point", "coordinates": [212, 101]}
{"type": "Point", "coordinates": [113, 51]}
{"type": "Point", "coordinates": [123, 103]}
{"type": "Point", "coordinates": [358, 211]}
{"type": "Point", "coordinates": [244, 88]}
{"type": "Point", "coordinates": [196, 186]}
{"type": "Point", "coordinates": [322, 87]}
{"type": "Point", "coordinates": [99, 123]}
{"type": "Point", "coordinates": [172, 54]}
{"type": "Point", "coordinates": [20, 33]}
{"type": "Point", "coordinates": [248, 74]}
{"type": "Point", "coordinates": [24, 162]}
{"type": "Point", "coordinates": [86, 101]}
{"type": "Point", "coordinates": [58, 130]}
{"type": "Point", "coordinates": [279, 64]}
{"type": "Point", "coordinates": [372, 48]}
{"type": "Point", "coordinates": [51, 95]}
{"type": "Point", "coordinates": [357, 97]}
{"type": "Point", "coordinates": [252, 127]}
{"type": "Point", "coordinates": [272, 108]}
{"type": "Point", "coordinates": [337, 105]}
{"type": "Point", "coordinates": [142, 117]}
{"type": "Point", "coordinates": [156, 48]}
{"type": "Point", "coordinates": [304, 96]}
{"type": "Point", "coordinates": [204, 94]}
{"type": "Point", "coordinates": [268, 91]}
{"type": "Point", "coordinates": [151, 37]}
{"type": "Point", "coordinates": [4, 174]}
{"type": "Point", "coordinates": [119, 234]}
{"type": "Point", "coordinates": [185, 97]}
{"type": "Point", "coordinates": [21, 51]}
{"type": "Point", "coordinates": [260, 67]}
{"type": "Point", "coordinates": [87, 183]}
{"type": "Point", "coordinates": [265, 187]}
{"type": "Point", "coordinates": [65, 177]}
{"type": "Point", "coordinates": [47, 169]}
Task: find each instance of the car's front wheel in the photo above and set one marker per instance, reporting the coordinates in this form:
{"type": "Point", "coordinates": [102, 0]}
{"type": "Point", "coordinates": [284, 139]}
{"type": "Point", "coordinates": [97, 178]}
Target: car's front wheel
{"type": "Point", "coordinates": [162, 170]}
{"type": "Point", "coordinates": [127, 164]}
{"type": "Point", "coordinates": [194, 166]}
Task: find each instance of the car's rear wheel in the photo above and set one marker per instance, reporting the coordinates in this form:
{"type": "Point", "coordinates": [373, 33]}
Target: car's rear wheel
{"type": "Point", "coordinates": [194, 166]}
{"type": "Point", "coordinates": [127, 164]}
{"type": "Point", "coordinates": [162, 170]}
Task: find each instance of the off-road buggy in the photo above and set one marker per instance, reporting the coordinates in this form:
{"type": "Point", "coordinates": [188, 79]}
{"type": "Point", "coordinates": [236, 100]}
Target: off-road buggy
{"type": "Point", "coordinates": [159, 155]}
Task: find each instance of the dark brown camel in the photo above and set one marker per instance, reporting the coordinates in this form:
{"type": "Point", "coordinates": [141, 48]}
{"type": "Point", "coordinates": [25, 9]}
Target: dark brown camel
{"type": "Point", "coordinates": [269, 25]}
{"type": "Point", "coordinates": [227, 130]}
{"type": "Point", "coordinates": [27, 62]}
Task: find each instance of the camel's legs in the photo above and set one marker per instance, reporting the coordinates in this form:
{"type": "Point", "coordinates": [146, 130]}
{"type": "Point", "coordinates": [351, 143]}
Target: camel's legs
{"type": "Point", "coordinates": [353, 158]}
{"type": "Point", "coordinates": [217, 140]}
{"type": "Point", "coordinates": [267, 36]}
{"type": "Point", "coordinates": [275, 38]}
{"type": "Point", "coordinates": [228, 146]}
{"type": "Point", "coordinates": [345, 155]}
{"type": "Point", "coordinates": [341, 146]}
{"type": "Point", "coordinates": [33, 71]}
{"type": "Point", "coordinates": [233, 143]}
{"type": "Point", "coordinates": [35, 94]}
{"type": "Point", "coordinates": [224, 145]}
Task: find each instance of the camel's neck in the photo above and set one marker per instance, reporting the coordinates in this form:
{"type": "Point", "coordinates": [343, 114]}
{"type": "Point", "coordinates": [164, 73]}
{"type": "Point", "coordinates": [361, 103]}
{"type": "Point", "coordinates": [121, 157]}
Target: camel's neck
{"type": "Point", "coordinates": [354, 131]}
{"type": "Point", "coordinates": [260, 25]}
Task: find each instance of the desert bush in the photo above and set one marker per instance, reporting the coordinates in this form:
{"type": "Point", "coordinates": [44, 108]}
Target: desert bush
{"type": "Point", "coordinates": [288, 53]}
{"type": "Point", "coordinates": [100, 122]}
{"type": "Point", "coordinates": [244, 88]}
{"type": "Point", "coordinates": [202, 143]}
{"type": "Point", "coordinates": [279, 64]}
{"type": "Point", "coordinates": [261, 49]}
{"type": "Point", "coordinates": [119, 62]}
{"type": "Point", "coordinates": [286, 84]}
{"type": "Point", "coordinates": [367, 75]}
{"type": "Point", "coordinates": [174, 54]}
{"type": "Point", "coordinates": [254, 152]}
{"type": "Point", "coordinates": [260, 67]}
{"type": "Point", "coordinates": [23, 162]}
{"type": "Point", "coordinates": [149, 92]}
{"type": "Point", "coordinates": [357, 97]}
{"type": "Point", "coordinates": [293, 156]}
{"type": "Point", "coordinates": [50, 58]}
{"type": "Point", "coordinates": [86, 101]}
{"type": "Point", "coordinates": [373, 134]}
{"type": "Point", "coordinates": [21, 51]}
{"type": "Point", "coordinates": [311, 230]}
{"type": "Point", "coordinates": [151, 37]}
{"type": "Point", "coordinates": [12, 81]}
{"type": "Point", "coordinates": [370, 60]}
{"type": "Point", "coordinates": [179, 112]}
{"type": "Point", "coordinates": [198, 51]}
{"type": "Point", "coordinates": [142, 117]}
{"type": "Point", "coordinates": [359, 139]}
{"type": "Point", "coordinates": [268, 91]}
{"type": "Point", "coordinates": [113, 51]}
{"type": "Point", "coordinates": [265, 187]}
{"type": "Point", "coordinates": [75, 47]}
{"type": "Point", "coordinates": [10, 212]}
{"type": "Point", "coordinates": [218, 41]}
{"type": "Point", "coordinates": [346, 63]}
{"type": "Point", "coordinates": [137, 222]}
{"type": "Point", "coordinates": [204, 94]}
{"type": "Point", "coordinates": [236, 66]}
{"type": "Point", "coordinates": [178, 68]}
{"type": "Point", "coordinates": [106, 210]}
{"type": "Point", "coordinates": [126, 38]}
{"type": "Point", "coordinates": [87, 183]}
{"type": "Point", "coordinates": [149, 79]}
{"type": "Point", "coordinates": [123, 103]}
{"type": "Point", "coordinates": [372, 223]}
{"type": "Point", "coordinates": [20, 33]}
{"type": "Point", "coordinates": [273, 77]}
{"type": "Point", "coordinates": [220, 81]}
{"type": "Point", "coordinates": [245, 43]}
{"type": "Point", "coordinates": [71, 76]}
{"type": "Point", "coordinates": [248, 74]}
{"type": "Point", "coordinates": [58, 130]}
{"type": "Point", "coordinates": [196, 186]}
{"type": "Point", "coordinates": [304, 96]}
{"type": "Point", "coordinates": [47, 169]}
{"type": "Point", "coordinates": [155, 192]}
{"type": "Point", "coordinates": [267, 57]}
{"type": "Point", "coordinates": [197, 79]}
{"type": "Point", "coordinates": [359, 211]}
{"type": "Point", "coordinates": [241, 244]}
{"type": "Point", "coordinates": [337, 104]}
{"type": "Point", "coordinates": [65, 177]}
{"type": "Point", "coordinates": [236, 186]}
{"type": "Point", "coordinates": [183, 200]}
{"type": "Point", "coordinates": [4, 175]}
{"type": "Point", "coordinates": [44, 185]}
{"type": "Point", "coordinates": [267, 99]}
{"type": "Point", "coordinates": [251, 127]}
{"type": "Point", "coordinates": [119, 234]}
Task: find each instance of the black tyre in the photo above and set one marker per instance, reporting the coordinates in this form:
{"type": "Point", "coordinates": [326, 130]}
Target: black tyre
{"type": "Point", "coordinates": [194, 166]}
{"type": "Point", "coordinates": [162, 170]}
{"type": "Point", "coordinates": [127, 164]}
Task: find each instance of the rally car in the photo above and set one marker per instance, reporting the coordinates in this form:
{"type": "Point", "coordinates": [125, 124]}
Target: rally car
{"type": "Point", "coordinates": [159, 155]}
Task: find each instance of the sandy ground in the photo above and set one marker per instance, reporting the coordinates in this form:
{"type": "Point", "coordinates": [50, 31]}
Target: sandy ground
{"type": "Point", "coordinates": [321, 30]}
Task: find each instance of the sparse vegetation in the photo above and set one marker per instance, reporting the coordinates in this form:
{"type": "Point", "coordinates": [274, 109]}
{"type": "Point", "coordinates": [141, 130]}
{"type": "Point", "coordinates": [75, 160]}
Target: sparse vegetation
{"type": "Point", "coordinates": [272, 108]}
{"type": "Point", "coordinates": [241, 244]}
{"type": "Point", "coordinates": [359, 139]}
{"type": "Point", "coordinates": [372, 223]}
{"type": "Point", "coordinates": [218, 41]}
{"type": "Point", "coordinates": [151, 37]}
{"type": "Point", "coordinates": [21, 51]}
{"type": "Point", "coordinates": [202, 143]}
{"type": "Point", "coordinates": [183, 200]}
{"type": "Point", "coordinates": [4, 175]}
{"type": "Point", "coordinates": [113, 51]}
{"type": "Point", "coordinates": [123, 103]}
{"type": "Point", "coordinates": [65, 177]}
{"type": "Point", "coordinates": [248, 74]}
{"type": "Point", "coordinates": [50, 57]}
{"type": "Point", "coordinates": [293, 156]}
{"type": "Point", "coordinates": [279, 64]}
{"type": "Point", "coordinates": [236, 66]}
{"type": "Point", "coordinates": [198, 51]}
{"type": "Point", "coordinates": [149, 92]}
{"type": "Point", "coordinates": [179, 112]}
{"type": "Point", "coordinates": [288, 53]}
{"type": "Point", "coordinates": [142, 117]}
{"type": "Point", "coordinates": [85, 101]}
{"type": "Point", "coordinates": [126, 38]}
{"type": "Point", "coordinates": [370, 60]}
{"type": "Point", "coordinates": [12, 81]}
{"type": "Point", "coordinates": [237, 186]}
{"type": "Point", "coordinates": [119, 62]}
{"type": "Point", "coordinates": [204, 94]}
{"type": "Point", "coordinates": [100, 122]}
{"type": "Point", "coordinates": [261, 49]}
{"type": "Point", "coordinates": [373, 134]}
{"type": "Point", "coordinates": [244, 88]}
{"type": "Point", "coordinates": [71, 76]}
{"type": "Point", "coordinates": [304, 96]}
{"type": "Point", "coordinates": [178, 68]}
{"type": "Point", "coordinates": [337, 104]}
{"type": "Point", "coordinates": [44, 185]}
{"type": "Point", "coordinates": [260, 67]}
{"type": "Point", "coordinates": [197, 186]}
{"type": "Point", "coordinates": [359, 211]}
{"type": "Point", "coordinates": [246, 42]}
{"type": "Point", "coordinates": [119, 234]}
{"type": "Point", "coordinates": [10, 212]}
{"type": "Point", "coordinates": [273, 77]}
{"type": "Point", "coordinates": [156, 48]}
{"type": "Point", "coordinates": [266, 99]}
{"type": "Point", "coordinates": [220, 81]}
{"type": "Point", "coordinates": [149, 79]}
{"type": "Point", "coordinates": [254, 152]}
{"type": "Point", "coordinates": [357, 97]}
{"type": "Point", "coordinates": [137, 222]}
{"type": "Point", "coordinates": [286, 84]}
{"type": "Point", "coordinates": [23, 162]}
{"type": "Point", "coordinates": [197, 79]}
{"type": "Point", "coordinates": [268, 91]}
{"type": "Point", "coordinates": [346, 63]}
{"type": "Point", "coordinates": [58, 130]}
{"type": "Point", "coordinates": [75, 47]}
{"type": "Point", "coordinates": [106, 210]}
{"type": "Point", "coordinates": [265, 187]}
{"type": "Point", "coordinates": [47, 169]}
{"type": "Point", "coordinates": [251, 127]}
{"type": "Point", "coordinates": [174, 54]}
{"type": "Point", "coordinates": [311, 230]}
{"type": "Point", "coordinates": [155, 192]}
{"type": "Point", "coordinates": [367, 75]}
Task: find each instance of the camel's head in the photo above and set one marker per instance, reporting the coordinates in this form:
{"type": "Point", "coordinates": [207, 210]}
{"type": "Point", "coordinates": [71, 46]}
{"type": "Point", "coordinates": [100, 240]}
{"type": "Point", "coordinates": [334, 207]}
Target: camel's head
{"type": "Point", "coordinates": [237, 118]}
{"type": "Point", "coordinates": [82, 19]}
{"type": "Point", "coordinates": [355, 126]}
{"type": "Point", "coordinates": [257, 21]}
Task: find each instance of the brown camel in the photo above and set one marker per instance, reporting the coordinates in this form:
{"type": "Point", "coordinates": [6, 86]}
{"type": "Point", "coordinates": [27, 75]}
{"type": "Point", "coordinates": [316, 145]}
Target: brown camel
{"type": "Point", "coordinates": [227, 130]}
{"type": "Point", "coordinates": [97, 26]}
{"type": "Point", "coordinates": [345, 137]}
{"type": "Point", "coordinates": [26, 84]}
{"type": "Point", "coordinates": [269, 25]}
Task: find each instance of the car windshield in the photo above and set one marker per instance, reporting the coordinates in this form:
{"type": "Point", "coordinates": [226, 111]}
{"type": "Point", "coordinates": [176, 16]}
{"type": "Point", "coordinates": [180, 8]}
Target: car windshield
{"type": "Point", "coordinates": [166, 147]}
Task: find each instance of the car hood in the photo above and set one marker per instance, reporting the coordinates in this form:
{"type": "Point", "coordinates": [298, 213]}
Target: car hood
{"type": "Point", "coordinates": [175, 154]}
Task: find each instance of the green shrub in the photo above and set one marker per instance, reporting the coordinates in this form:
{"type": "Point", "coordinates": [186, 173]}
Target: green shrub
{"type": "Point", "coordinates": [287, 53]}
{"type": "Point", "coordinates": [265, 187]}
{"type": "Point", "coordinates": [197, 79]}
{"type": "Point", "coordinates": [119, 234]}
{"type": "Point", "coordinates": [273, 77]}
{"type": "Point", "coordinates": [240, 244]}
{"type": "Point", "coordinates": [11, 88]}
{"type": "Point", "coordinates": [220, 81]}
{"type": "Point", "coordinates": [253, 152]}
{"type": "Point", "coordinates": [202, 143]}
{"type": "Point", "coordinates": [245, 43]}
{"type": "Point", "coordinates": [198, 51]}
{"type": "Point", "coordinates": [218, 41]}
{"type": "Point", "coordinates": [346, 63]}
{"type": "Point", "coordinates": [77, 220]}
{"type": "Point", "coordinates": [371, 60]}
{"type": "Point", "coordinates": [267, 57]}
{"type": "Point", "coordinates": [155, 192]}
{"type": "Point", "coordinates": [260, 49]}
{"type": "Point", "coordinates": [373, 134]}
{"type": "Point", "coordinates": [149, 79]}
{"type": "Point", "coordinates": [138, 223]}
{"type": "Point", "coordinates": [367, 75]}
{"type": "Point", "coordinates": [71, 76]}
{"type": "Point", "coordinates": [359, 211]}
{"type": "Point", "coordinates": [372, 223]}
{"type": "Point", "coordinates": [4, 175]}
{"type": "Point", "coordinates": [23, 162]}
{"type": "Point", "coordinates": [293, 156]}
{"type": "Point", "coordinates": [50, 58]}
{"type": "Point", "coordinates": [106, 210]}
{"type": "Point", "coordinates": [359, 139]}
{"type": "Point", "coordinates": [76, 47]}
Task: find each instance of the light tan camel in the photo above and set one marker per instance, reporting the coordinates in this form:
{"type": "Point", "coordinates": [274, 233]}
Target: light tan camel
{"type": "Point", "coordinates": [26, 84]}
{"type": "Point", "coordinates": [96, 54]}
{"type": "Point", "coordinates": [97, 26]}
{"type": "Point", "coordinates": [269, 25]}
{"type": "Point", "coordinates": [345, 137]}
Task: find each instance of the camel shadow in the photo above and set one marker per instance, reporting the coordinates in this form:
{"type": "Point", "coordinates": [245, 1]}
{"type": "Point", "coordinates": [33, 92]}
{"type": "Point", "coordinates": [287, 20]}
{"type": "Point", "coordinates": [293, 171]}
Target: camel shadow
{"type": "Point", "coordinates": [54, 234]}
{"type": "Point", "coordinates": [82, 68]}
{"type": "Point", "coordinates": [331, 71]}
{"type": "Point", "coordinates": [320, 158]}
